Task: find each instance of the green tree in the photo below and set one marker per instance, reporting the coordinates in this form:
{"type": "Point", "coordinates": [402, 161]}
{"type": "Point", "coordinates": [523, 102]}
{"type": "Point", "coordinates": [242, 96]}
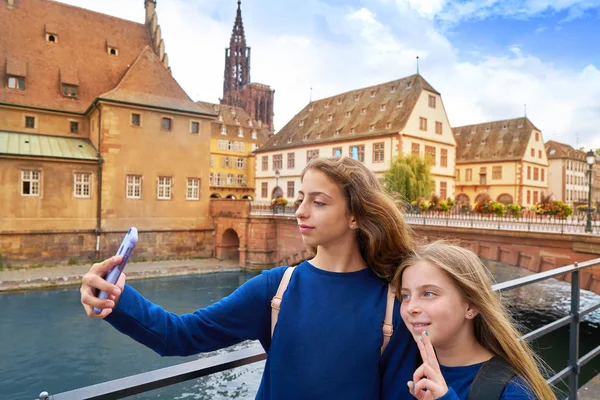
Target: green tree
{"type": "Point", "coordinates": [409, 177]}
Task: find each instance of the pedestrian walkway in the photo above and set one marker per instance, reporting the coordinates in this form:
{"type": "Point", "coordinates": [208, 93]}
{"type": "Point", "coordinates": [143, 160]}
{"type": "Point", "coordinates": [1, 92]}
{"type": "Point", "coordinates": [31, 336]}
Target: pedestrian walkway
{"type": "Point", "coordinates": [30, 278]}
{"type": "Point", "coordinates": [591, 390]}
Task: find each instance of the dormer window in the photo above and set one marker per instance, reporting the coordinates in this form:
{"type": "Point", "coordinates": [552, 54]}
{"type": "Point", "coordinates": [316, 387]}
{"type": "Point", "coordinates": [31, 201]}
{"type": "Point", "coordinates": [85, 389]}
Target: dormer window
{"type": "Point", "coordinates": [352, 131]}
{"type": "Point", "coordinates": [310, 108]}
{"type": "Point", "coordinates": [521, 124]}
{"type": "Point", "coordinates": [339, 101]}
{"type": "Point", "coordinates": [363, 111]}
{"type": "Point", "coordinates": [399, 104]}
{"type": "Point", "coordinates": [51, 33]}
{"type": "Point", "coordinates": [473, 131]}
{"type": "Point", "coordinates": [301, 123]}
{"type": "Point", "coordinates": [457, 133]}
{"type": "Point", "coordinates": [330, 117]}
{"type": "Point", "coordinates": [233, 112]}
{"type": "Point", "coordinates": [409, 85]}
{"type": "Point", "coordinates": [250, 123]}
{"type": "Point", "coordinates": [388, 125]}
{"type": "Point", "coordinates": [372, 93]}
{"type": "Point", "coordinates": [318, 136]}
{"type": "Point", "coordinates": [16, 71]}
{"type": "Point", "coordinates": [236, 120]}
{"type": "Point", "coordinates": [483, 141]}
{"type": "Point", "coordinates": [371, 128]}
{"type": "Point", "coordinates": [69, 90]}
{"type": "Point", "coordinates": [382, 108]}
{"type": "Point", "coordinates": [317, 120]}
{"type": "Point", "coordinates": [305, 138]}
{"type": "Point", "coordinates": [347, 114]}
{"type": "Point", "coordinates": [500, 140]}
{"type": "Point", "coordinates": [393, 89]}
{"type": "Point", "coordinates": [468, 143]}
{"type": "Point", "coordinates": [223, 130]}
{"type": "Point", "coordinates": [487, 129]}
{"type": "Point", "coordinates": [220, 118]}
{"type": "Point", "coordinates": [504, 127]}
{"type": "Point", "coordinates": [240, 133]}
{"type": "Point", "coordinates": [111, 48]}
{"type": "Point", "coordinates": [253, 134]}
{"type": "Point", "coordinates": [327, 105]}
{"type": "Point", "coordinates": [356, 97]}
{"type": "Point", "coordinates": [516, 138]}
{"type": "Point", "coordinates": [337, 133]}
{"type": "Point", "coordinates": [289, 140]}
{"type": "Point", "coordinates": [16, 82]}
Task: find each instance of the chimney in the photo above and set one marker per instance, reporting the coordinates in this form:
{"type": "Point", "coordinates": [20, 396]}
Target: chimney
{"type": "Point", "coordinates": [150, 6]}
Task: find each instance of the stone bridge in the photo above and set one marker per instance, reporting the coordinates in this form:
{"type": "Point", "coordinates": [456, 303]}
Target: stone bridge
{"type": "Point", "coordinates": [266, 241]}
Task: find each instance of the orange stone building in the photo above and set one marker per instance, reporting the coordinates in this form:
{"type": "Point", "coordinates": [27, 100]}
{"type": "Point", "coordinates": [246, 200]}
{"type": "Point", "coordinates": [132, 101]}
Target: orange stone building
{"type": "Point", "coordinates": [96, 136]}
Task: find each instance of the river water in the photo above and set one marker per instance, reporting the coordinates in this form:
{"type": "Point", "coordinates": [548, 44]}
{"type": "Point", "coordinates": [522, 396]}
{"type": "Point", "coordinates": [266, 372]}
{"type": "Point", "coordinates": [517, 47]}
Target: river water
{"type": "Point", "coordinates": [48, 344]}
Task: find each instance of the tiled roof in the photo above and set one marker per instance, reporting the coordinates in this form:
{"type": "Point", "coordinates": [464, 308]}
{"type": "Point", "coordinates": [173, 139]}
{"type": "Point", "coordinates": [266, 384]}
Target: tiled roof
{"type": "Point", "coordinates": [80, 52]}
{"type": "Point", "coordinates": [149, 82]}
{"type": "Point", "coordinates": [23, 144]}
{"type": "Point", "coordinates": [235, 118]}
{"type": "Point", "coordinates": [504, 140]}
{"type": "Point", "coordinates": [556, 150]}
{"type": "Point", "coordinates": [370, 111]}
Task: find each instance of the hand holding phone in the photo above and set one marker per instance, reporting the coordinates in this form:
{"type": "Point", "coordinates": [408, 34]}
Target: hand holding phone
{"type": "Point", "coordinates": [125, 250]}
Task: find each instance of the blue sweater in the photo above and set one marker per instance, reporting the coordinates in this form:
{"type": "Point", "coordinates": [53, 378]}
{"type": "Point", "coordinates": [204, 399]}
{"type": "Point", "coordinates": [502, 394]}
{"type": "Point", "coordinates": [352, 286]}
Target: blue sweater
{"type": "Point", "coordinates": [326, 343]}
{"type": "Point", "coordinates": [459, 380]}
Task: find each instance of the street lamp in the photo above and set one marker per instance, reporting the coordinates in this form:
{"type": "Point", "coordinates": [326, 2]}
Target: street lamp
{"type": "Point", "coordinates": [590, 158]}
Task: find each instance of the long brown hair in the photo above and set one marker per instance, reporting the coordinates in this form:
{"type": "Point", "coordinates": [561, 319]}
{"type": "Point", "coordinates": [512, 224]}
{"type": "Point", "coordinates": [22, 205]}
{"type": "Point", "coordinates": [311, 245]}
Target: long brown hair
{"type": "Point", "coordinates": [494, 328]}
{"type": "Point", "coordinates": [384, 238]}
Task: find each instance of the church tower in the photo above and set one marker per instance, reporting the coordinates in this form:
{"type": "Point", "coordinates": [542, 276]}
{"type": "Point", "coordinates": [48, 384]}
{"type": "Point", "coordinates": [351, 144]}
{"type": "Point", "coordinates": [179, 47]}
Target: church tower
{"type": "Point", "coordinates": [238, 90]}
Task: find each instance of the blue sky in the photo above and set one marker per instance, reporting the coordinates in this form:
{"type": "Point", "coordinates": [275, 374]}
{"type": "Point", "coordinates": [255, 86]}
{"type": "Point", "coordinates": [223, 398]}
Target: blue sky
{"type": "Point", "coordinates": [486, 57]}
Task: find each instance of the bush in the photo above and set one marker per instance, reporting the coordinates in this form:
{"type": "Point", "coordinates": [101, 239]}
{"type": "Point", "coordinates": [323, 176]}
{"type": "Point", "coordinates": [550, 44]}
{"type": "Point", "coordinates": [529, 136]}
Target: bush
{"type": "Point", "coordinates": [555, 208]}
{"type": "Point", "coordinates": [514, 210]}
{"type": "Point", "coordinates": [584, 207]}
{"type": "Point", "coordinates": [280, 201]}
{"type": "Point", "coordinates": [451, 203]}
{"type": "Point", "coordinates": [490, 207]}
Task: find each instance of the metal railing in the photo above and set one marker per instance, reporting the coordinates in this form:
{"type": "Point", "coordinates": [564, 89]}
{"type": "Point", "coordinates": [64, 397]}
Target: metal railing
{"type": "Point", "coordinates": [526, 222]}
{"type": "Point", "coordinates": [163, 377]}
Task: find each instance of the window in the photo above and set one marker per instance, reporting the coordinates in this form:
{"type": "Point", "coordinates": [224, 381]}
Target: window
{"type": "Point", "coordinates": [330, 117]}
{"type": "Point", "coordinates": [193, 189]}
{"type": "Point", "coordinates": [539, 154]}
{"type": "Point", "coordinates": [536, 173]}
{"type": "Point", "coordinates": [29, 122]}
{"type": "Point", "coordinates": [253, 134]}
{"type": "Point", "coordinates": [532, 152]}
{"type": "Point", "coordinates": [337, 151]}
{"type": "Point", "coordinates": [497, 172]}
{"type": "Point", "coordinates": [317, 120]}
{"type": "Point", "coordinates": [422, 123]}
{"type": "Point", "coordinates": [529, 197]}
{"type": "Point", "coordinates": [399, 104]}
{"type": "Point", "coordinates": [356, 97]}
{"type": "Point", "coordinates": [277, 161]}
{"type": "Point", "coordinates": [388, 125]}
{"type": "Point", "coordinates": [457, 174]}
{"type": "Point", "coordinates": [223, 130]}
{"type": "Point", "coordinates": [134, 187]}
{"type": "Point", "coordinates": [443, 190]}
{"type": "Point", "coordinates": [528, 172]}
{"type": "Point", "coordinates": [113, 51]}
{"type": "Point", "coordinates": [69, 90]}
{"type": "Point", "coordinates": [16, 82]}
{"type": "Point", "coordinates": [265, 163]}
{"type": "Point", "coordinates": [431, 101]}
{"type": "Point", "coordinates": [378, 153]}
{"type": "Point", "coordinates": [166, 124]}
{"type": "Point", "coordinates": [382, 108]}
{"type": "Point", "coordinates": [291, 160]}
{"type": "Point", "coordinates": [264, 189]}
{"type": "Point", "coordinates": [30, 183]}
{"type": "Point", "coordinates": [290, 189]}
{"type": "Point", "coordinates": [504, 127]}
{"type": "Point", "coordinates": [443, 157]}
{"type": "Point", "coordinates": [326, 105]}
{"type": "Point", "coordinates": [352, 130]}
{"type": "Point", "coordinates": [82, 185]}
{"type": "Point", "coordinates": [194, 127]}
{"type": "Point", "coordinates": [537, 136]}
{"type": "Point", "coordinates": [363, 111]}
{"type": "Point", "coordinates": [468, 175]}
{"type": "Point", "coordinates": [310, 154]}
{"type": "Point", "coordinates": [430, 154]}
{"type": "Point", "coordinates": [347, 114]}
{"type": "Point", "coordinates": [74, 127]}
{"type": "Point", "coordinates": [226, 162]}
{"type": "Point", "coordinates": [212, 160]}
{"type": "Point", "coordinates": [164, 188]}
{"type": "Point", "coordinates": [339, 101]}
{"type": "Point", "coordinates": [240, 163]}
{"type": "Point", "coordinates": [136, 119]}
{"type": "Point", "coordinates": [416, 149]}
{"type": "Point", "coordinates": [535, 196]}
{"type": "Point", "coordinates": [372, 93]}
{"type": "Point", "coordinates": [358, 152]}
{"type": "Point", "coordinates": [482, 176]}
{"type": "Point", "coordinates": [371, 128]}
{"type": "Point", "coordinates": [543, 171]}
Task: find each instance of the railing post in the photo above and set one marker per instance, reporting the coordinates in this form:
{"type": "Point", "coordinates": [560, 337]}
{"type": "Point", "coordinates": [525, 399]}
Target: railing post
{"type": "Point", "coordinates": [574, 336]}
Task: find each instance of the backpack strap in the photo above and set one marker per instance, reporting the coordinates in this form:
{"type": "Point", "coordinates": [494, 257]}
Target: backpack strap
{"type": "Point", "coordinates": [388, 327]}
{"type": "Point", "coordinates": [276, 301]}
{"type": "Point", "coordinates": [491, 380]}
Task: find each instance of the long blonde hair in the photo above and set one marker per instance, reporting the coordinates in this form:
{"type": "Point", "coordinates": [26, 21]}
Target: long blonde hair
{"type": "Point", "coordinates": [494, 328]}
{"type": "Point", "coordinates": [384, 238]}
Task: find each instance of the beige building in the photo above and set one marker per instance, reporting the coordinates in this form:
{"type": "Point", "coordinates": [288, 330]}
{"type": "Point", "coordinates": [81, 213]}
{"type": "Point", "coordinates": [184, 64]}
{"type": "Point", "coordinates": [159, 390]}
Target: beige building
{"type": "Point", "coordinates": [96, 135]}
{"type": "Point", "coordinates": [233, 138]}
{"type": "Point", "coordinates": [568, 173]}
{"type": "Point", "coordinates": [373, 124]}
{"type": "Point", "coordinates": [504, 159]}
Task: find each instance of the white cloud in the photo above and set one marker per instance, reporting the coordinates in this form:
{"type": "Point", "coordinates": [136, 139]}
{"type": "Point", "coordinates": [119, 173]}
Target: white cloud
{"type": "Point", "coordinates": [351, 48]}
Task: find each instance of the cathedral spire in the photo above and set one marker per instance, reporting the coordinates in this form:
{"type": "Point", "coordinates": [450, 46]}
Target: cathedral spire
{"type": "Point", "coordinates": [237, 58]}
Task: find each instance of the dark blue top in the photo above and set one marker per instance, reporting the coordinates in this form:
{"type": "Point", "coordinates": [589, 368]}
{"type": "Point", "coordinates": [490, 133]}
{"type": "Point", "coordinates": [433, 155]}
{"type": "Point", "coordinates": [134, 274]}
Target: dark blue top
{"type": "Point", "coordinates": [326, 344]}
{"type": "Point", "coordinates": [459, 380]}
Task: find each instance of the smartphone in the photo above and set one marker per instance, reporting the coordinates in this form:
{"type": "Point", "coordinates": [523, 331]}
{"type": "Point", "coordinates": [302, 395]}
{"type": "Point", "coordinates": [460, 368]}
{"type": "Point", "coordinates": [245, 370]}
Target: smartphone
{"type": "Point", "coordinates": [125, 250]}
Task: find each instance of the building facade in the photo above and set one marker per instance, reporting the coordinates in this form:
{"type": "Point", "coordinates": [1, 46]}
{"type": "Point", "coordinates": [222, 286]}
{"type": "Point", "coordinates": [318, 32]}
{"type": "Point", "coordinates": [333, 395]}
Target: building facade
{"type": "Point", "coordinates": [233, 138]}
{"type": "Point", "coordinates": [238, 90]}
{"type": "Point", "coordinates": [503, 159]}
{"type": "Point", "coordinates": [568, 173]}
{"type": "Point", "coordinates": [96, 136]}
{"type": "Point", "coordinates": [373, 125]}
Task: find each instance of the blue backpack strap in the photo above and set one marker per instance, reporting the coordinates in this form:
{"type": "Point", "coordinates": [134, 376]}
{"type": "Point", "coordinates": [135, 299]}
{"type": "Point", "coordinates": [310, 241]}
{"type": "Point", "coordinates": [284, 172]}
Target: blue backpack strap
{"type": "Point", "coordinates": [491, 380]}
